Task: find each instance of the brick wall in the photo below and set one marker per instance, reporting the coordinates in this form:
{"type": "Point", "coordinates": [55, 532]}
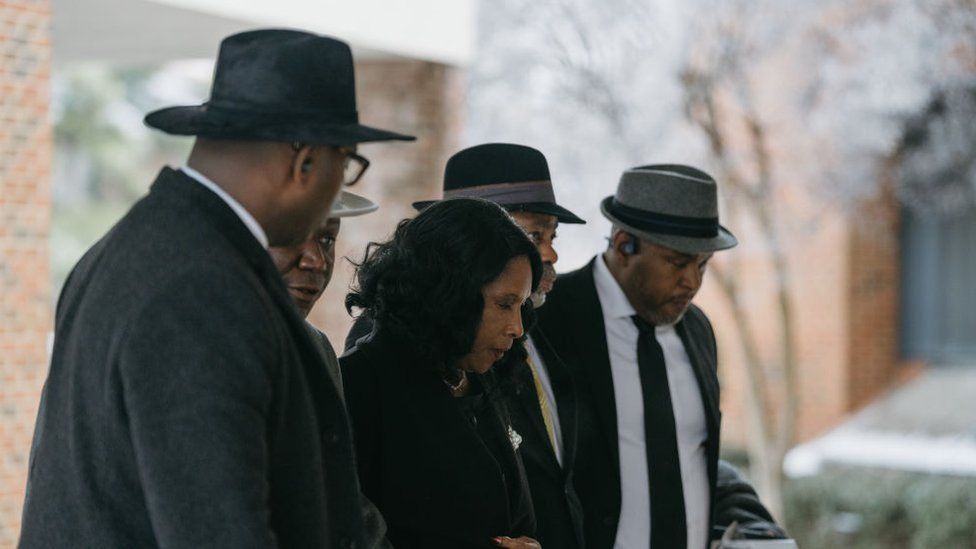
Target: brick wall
{"type": "Point", "coordinates": [818, 276]}
{"type": "Point", "coordinates": [843, 273]}
{"type": "Point", "coordinates": [25, 311]}
{"type": "Point", "coordinates": [873, 301]}
{"type": "Point", "coordinates": [414, 97]}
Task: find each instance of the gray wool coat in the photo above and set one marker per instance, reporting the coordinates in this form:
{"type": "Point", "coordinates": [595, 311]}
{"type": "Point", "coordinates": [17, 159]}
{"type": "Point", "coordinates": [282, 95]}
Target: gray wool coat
{"type": "Point", "coordinates": [186, 404]}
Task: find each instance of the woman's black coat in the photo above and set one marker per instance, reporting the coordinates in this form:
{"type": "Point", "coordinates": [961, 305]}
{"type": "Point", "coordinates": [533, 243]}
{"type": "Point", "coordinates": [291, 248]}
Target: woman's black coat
{"type": "Point", "coordinates": [421, 461]}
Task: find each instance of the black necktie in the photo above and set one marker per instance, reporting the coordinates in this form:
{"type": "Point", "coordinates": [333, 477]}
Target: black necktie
{"type": "Point", "coordinates": [668, 529]}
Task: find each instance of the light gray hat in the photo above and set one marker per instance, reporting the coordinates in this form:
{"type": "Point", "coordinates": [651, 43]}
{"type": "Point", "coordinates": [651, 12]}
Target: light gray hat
{"type": "Point", "coordinates": [672, 205]}
{"type": "Point", "coordinates": [348, 204]}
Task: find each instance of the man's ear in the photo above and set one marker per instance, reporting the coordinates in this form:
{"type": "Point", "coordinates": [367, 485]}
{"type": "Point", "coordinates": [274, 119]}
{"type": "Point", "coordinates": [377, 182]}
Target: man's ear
{"type": "Point", "coordinates": [301, 164]}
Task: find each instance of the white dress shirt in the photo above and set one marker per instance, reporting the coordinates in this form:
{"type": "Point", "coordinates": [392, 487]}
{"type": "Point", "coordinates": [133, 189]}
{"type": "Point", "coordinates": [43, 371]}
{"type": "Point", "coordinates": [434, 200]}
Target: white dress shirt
{"type": "Point", "coordinates": [546, 383]}
{"type": "Point", "coordinates": [634, 528]}
{"type": "Point", "coordinates": [248, 219]}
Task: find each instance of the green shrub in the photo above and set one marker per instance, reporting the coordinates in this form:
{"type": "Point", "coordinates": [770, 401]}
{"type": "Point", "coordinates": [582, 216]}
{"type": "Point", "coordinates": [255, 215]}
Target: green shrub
{"type": "Point", "coordinates": [873, 509]}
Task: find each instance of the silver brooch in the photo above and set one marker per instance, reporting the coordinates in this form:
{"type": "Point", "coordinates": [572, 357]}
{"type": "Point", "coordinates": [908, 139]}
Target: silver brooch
{"type": "Point", "coordinates": [514, 438]}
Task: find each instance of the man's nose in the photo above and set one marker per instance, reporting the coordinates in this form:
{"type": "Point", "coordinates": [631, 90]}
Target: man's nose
{"type": "Point", "coordinates": [692, 276]}
{"type": "Point", "coordinates": [312, 258]}
{"type": "Point", "coordinates": [548, 253]}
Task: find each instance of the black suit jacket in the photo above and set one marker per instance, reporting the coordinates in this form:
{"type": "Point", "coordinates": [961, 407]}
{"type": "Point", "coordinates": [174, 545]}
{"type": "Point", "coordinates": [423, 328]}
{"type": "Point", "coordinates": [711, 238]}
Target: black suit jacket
{"type": "Point", "coordinates": [420, 460]}
{"type": "Point", "coordinates": [186, 405]}
{"type": "Point", "coordinates": [573, 321]}
{"type": "Point", "coordinates": [558, 512]}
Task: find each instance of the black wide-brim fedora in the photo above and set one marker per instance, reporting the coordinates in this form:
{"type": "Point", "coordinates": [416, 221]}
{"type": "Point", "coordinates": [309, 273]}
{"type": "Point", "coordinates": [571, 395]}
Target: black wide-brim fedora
{"type": "Point", "coordinates": [515, 177]}
{"type": "Point", "coordinates": [672, 205]}
{"type": "Point", "coordinates": [278, 85]}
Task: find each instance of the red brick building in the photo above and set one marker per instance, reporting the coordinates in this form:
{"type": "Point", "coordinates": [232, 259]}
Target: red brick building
{"type": "Point", "coordinates": [25, 168]}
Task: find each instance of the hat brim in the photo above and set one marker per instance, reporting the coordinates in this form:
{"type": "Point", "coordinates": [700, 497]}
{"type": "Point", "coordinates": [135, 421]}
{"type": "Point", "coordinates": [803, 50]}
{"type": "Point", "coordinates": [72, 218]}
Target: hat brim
{"type": "Point", "coordinates": [352, 205]}
{"type": "Point", "coordinates": [684, 244]}
{"type": "Point", "coordinates": [200, 121]}
{"type": "Point", "coordinates": [548, 208]}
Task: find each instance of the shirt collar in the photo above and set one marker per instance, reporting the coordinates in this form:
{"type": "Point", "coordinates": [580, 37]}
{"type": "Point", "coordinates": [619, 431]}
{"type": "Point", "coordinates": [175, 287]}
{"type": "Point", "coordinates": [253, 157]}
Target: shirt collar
{"type": "Point", "coordinates": [612, 298]}
{"type": "Point", "coordinates": [248, 219]}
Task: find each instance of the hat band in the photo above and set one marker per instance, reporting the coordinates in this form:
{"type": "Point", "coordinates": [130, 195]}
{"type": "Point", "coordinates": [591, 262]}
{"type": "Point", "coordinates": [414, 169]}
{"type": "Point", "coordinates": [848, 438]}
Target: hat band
{"type": "Point", "coordinates": [317, 115]}
{"type": "Point", "coordinates": [508, 193]}
{"type": "Point", "coordinates": [677, 225]}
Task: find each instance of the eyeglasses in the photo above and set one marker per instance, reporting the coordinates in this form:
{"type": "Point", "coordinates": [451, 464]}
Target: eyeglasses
{"type": "Point", "coordinates": [354, 165]}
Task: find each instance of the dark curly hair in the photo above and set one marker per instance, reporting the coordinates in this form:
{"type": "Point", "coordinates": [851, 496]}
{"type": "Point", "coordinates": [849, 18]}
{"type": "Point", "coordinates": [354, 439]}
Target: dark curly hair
{"type": "Point", "coordinates": [425, 283]}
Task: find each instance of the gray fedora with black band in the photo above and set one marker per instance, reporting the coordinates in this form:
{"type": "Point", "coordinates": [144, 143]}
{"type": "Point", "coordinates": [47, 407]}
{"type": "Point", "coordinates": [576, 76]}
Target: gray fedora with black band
{"type": "Point", "coordinates": [672, 205]}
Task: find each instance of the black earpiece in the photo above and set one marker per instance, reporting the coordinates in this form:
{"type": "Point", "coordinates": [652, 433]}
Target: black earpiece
{"type": "Point", "coordinates": [306, 165]}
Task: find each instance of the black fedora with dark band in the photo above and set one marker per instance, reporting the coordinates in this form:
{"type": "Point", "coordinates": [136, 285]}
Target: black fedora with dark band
{"type": "Point", "coordinates": [515, 177]}
{"type": "Point", "coordinates": [669, 204]}
{"type": "Point", "coordinates": [278, 85]}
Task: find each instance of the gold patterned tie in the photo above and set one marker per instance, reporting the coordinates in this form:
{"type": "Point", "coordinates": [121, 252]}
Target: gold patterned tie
{"type": "Point", "coordinates": [543, 403]}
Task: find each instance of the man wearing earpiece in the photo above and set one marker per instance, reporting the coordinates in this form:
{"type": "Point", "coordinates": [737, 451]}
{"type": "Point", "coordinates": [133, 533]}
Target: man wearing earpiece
{"type": "Point", "coordinates": [644, 360]}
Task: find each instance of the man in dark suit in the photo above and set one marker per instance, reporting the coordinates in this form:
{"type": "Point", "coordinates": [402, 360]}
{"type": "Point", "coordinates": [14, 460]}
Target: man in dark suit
{"type": "Point", "coordinates": [543, 405]}
{"type": "Point", "coordinates": [306, 269]}
{"type": "Point", "coordinates": [186, 404]}
{"type": "Point", "coordinates": [645, 360]}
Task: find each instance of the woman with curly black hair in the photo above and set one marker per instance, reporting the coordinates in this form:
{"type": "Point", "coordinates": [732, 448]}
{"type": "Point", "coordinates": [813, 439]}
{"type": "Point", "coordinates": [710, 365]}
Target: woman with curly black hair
{"type": "Point", "coordinates": [436, 451]}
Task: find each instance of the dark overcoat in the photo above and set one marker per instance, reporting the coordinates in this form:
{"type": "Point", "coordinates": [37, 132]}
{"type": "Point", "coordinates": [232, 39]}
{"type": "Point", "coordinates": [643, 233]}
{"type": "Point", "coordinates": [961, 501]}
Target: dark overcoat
{"type": "Point", "coordinates": [420, 459]}
{"type": "Point", "coordinates": [572, 319]}
{"type": "Point", "coordinates": [558, 512]}
{"type": "Point", "coordinates": [186, 405]}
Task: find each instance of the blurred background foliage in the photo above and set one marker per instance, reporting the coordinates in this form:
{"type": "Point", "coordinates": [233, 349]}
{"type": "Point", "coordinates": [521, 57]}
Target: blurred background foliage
{"type": "Point", "coordinates": [104, 161]}
{"type": "Point", "coordinates": [875, 509]}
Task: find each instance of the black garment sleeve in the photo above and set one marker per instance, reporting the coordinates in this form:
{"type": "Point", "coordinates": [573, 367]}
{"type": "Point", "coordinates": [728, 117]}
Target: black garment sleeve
{"type": "Point", "coordinates": [737, 501]}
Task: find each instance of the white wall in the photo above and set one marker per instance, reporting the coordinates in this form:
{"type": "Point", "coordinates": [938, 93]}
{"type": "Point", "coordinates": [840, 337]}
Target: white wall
{"type": "Point", "coordinates": [148, 31]}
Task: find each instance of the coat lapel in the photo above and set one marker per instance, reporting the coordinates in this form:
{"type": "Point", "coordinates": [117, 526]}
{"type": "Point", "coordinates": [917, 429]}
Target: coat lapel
{"type": "Point", "coordinates": [704, 363]}
{"type": "Point", "coordinates": [583, 331]}
{"type": "Point", "coordinates": [704, 374]}
{"type": "Point", "coordinates": [528, 402]}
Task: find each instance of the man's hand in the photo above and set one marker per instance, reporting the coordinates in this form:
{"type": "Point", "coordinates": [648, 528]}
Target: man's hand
{"type": "Point", "coordinates": [520, 543]}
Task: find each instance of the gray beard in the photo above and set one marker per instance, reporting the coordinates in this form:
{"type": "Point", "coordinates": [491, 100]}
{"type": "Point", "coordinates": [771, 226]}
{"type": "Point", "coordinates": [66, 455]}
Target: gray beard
{"type": "Point", "coordinates": [538, 299]}
{"type": "Point", "coordinates": [657, 320]}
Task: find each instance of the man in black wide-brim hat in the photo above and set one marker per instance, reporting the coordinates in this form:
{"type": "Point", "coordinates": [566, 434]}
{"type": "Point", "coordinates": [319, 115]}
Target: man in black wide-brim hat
{"type": "Point", "coordinates": [186, 405]}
